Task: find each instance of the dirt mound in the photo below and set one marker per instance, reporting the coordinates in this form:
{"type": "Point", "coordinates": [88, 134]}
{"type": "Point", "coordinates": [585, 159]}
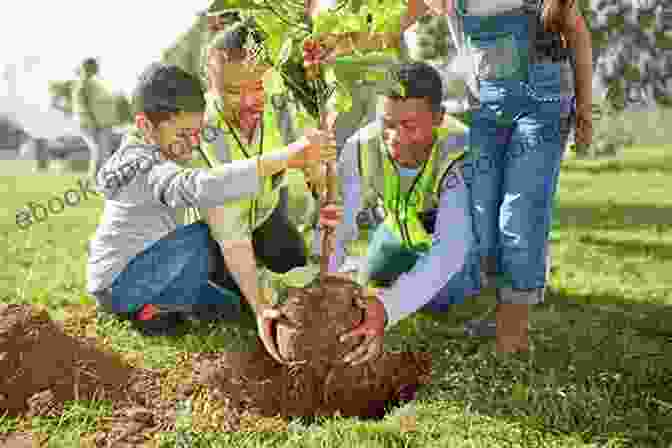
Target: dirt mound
{"type": "Point", "coordinates": [318, 383]}
{"type": "Point", "coordinates": [253, 382]}
{"type": "Point", "coordinates": [41, 366]}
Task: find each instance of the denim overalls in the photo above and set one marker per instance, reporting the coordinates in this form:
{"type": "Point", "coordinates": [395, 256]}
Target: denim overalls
{"type": "Point", "coordinates": [515, 150]}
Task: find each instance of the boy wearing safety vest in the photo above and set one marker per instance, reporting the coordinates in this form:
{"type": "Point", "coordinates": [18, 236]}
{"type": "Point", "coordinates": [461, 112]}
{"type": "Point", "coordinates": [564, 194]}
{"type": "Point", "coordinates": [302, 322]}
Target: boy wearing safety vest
{"type": "Point", "coordinates": [424, 251]}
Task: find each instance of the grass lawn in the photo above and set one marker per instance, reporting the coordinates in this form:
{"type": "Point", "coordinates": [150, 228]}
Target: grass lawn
{"type": "Point", "coordinates": [599, 374]}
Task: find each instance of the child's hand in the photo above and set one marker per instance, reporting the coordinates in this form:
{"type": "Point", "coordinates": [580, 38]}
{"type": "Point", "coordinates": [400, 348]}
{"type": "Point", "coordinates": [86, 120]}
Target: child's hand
{"type": "Point", "coordinates": [584, 125]}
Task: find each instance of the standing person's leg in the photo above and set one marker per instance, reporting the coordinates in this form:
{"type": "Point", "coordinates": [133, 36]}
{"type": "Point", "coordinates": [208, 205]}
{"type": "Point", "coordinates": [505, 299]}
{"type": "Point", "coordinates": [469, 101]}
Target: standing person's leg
{"type": "Point", "coordinates": [90, 137]}
{"type": "Point", "coordinates": [531, 167]}
{"type": "Point", "coordinates": [483, 174]}
{"type": "Point", "coordinates": [566, 124]}
{"type": "Point", "coordinates": [106, 143]}
{"type": "Point", "coordinates": [42, 153]}
{"type": "Point", "coordinates": [487, 327]}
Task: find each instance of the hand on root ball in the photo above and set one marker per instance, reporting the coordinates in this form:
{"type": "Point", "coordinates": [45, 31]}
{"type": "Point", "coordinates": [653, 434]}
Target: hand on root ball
{"type": "Point", "coordinates": [372, 329]}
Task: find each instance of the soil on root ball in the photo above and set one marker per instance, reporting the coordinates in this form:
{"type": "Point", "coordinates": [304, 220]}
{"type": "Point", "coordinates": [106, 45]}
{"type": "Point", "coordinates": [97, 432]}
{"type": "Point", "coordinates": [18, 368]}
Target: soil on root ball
{"type": "Point", "coordinates": [319, 384]}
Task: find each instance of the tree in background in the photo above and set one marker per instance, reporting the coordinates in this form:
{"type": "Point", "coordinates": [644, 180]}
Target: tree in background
{"type": "Point", "coordinates": [433, 38]}
{"type": "Point", "coordinates": [632, 48]}
{"type": "Point", "coordinates": [186, 51]}
{"type": "Point", "coordinates": [632, 55]}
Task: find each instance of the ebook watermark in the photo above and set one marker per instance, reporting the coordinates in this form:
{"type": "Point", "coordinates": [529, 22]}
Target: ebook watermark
{"type": "Point", "coordinates": [34, 211]}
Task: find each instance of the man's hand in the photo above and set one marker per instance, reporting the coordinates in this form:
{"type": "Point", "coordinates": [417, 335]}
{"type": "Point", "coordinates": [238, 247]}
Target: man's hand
{"type": "Point", "coordinates": [318, 146]}
{"type": "Point", "coordinates": [266, 320]}
{"type": "Point", "coordinates": [331, 215]}
{"type": "Point", "coordinates": [322, 50]}
{"type": "Point", "coordinates": [372, 328]}
{"type": "Point", "coordinates": [267, 316]}
{"type": "Point", "coordinates": [438, 7]}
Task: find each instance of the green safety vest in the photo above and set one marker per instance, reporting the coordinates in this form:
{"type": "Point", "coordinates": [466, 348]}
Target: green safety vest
{"type": "Point", "coordinates": [252, 212]}
{"type": "Point", "coordinates": [402, 209]}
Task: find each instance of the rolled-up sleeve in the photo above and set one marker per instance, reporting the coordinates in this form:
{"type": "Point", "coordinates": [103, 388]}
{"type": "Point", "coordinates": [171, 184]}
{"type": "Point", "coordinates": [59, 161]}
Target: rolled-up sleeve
{"type": "Point", "coordinates": [450, 244]}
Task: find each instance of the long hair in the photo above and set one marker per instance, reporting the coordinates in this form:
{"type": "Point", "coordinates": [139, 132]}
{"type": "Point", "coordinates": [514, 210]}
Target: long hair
{"type": "Point", "coordinates": [554, 13]}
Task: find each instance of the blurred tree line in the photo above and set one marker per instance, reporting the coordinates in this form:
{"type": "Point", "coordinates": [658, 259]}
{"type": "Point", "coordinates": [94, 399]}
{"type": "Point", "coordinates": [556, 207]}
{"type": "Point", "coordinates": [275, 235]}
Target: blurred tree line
{"type": "Point", "coordinates": [632, 51]}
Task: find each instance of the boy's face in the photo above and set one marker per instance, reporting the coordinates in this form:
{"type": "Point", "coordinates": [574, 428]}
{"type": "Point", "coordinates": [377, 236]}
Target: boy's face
{"type": "Point", "coordinates": [177, 136]}
{"type": "Point", "coordinates": [408, 128]}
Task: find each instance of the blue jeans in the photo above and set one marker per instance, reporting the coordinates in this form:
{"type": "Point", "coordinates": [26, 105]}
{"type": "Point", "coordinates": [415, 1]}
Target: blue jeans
{"type": "Point", "coordinates": [173, 271]}
{"type": "Point", "coordinates": [512, 171]}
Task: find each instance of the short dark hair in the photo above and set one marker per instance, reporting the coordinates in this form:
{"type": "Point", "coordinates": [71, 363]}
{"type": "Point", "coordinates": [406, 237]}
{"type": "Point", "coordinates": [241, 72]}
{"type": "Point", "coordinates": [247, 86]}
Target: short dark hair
{"type": "Point", "coordinates": [167, 88]}
{"type": "Point", "coordinates": [418, 80]}
{"type": "Point", "coordinates": [235, 36]}
{"type": "Point", "coordinates": [90, 66]}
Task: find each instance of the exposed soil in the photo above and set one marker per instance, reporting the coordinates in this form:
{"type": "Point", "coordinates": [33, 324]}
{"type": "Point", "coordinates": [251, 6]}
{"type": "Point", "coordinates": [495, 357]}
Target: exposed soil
{"type": "Point", "coordinates": [43, 365]}
{"type": "Point", "coordinates": [253, 382]}
{"type": "Point", "coordinates": [318, 383]}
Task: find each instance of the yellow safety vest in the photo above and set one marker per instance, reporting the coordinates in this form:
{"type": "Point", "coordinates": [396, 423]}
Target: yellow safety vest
{"type": "Point", "coordinates": [402, 209]}
{"type": "Point", "coordinates": [253, 213]}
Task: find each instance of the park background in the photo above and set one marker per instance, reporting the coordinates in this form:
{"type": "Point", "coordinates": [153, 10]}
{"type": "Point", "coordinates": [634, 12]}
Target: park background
{"type": "Point", "coordinates": [600, 370]}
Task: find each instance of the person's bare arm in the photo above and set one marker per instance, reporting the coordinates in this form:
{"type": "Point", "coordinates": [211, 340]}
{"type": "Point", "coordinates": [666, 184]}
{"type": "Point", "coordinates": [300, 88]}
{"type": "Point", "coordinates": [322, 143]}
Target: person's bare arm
{"type": "Point", "coordinates": [239, 258]}
{"type": "Point", "coordinates": [578, 38]}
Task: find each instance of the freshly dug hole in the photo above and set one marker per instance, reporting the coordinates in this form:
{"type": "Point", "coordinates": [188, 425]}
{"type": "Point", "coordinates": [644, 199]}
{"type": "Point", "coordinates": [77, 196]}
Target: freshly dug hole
{"type": "Point", "coordinates": [322, 385]}
{"type": "Point", "coordinates": [41, 367]}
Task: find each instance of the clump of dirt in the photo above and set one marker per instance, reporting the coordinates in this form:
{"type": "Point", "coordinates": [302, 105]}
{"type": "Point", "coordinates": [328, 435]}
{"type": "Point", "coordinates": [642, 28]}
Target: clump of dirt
{"type": "Point", "coordinates": [252, 382]}
{"type": "Point", "coordinates": [318, 383]}
{"type": "Point", "coordinates": [41, 367]}
{"type": "Point", "coordinates": [316, 317]}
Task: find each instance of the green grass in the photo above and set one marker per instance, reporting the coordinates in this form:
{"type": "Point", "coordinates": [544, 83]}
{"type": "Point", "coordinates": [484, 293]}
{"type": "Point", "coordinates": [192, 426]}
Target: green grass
{"type": "Point", "coordinates": [599, 373]}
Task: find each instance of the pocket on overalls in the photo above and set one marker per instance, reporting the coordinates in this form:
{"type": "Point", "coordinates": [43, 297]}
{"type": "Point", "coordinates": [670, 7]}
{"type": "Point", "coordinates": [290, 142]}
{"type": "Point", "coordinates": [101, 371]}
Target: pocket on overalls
{"type": "Point", "coordinates": [496, 56]}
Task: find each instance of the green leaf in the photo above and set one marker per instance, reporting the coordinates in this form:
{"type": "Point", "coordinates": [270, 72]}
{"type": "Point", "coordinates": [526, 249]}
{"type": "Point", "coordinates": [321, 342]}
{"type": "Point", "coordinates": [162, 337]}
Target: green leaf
{"type": "Point", "coordinates": [285, 51]}
{"type": "Point", "coordinates": [273, 82]}
{"type": "Point", "coordinates": [301, 276]}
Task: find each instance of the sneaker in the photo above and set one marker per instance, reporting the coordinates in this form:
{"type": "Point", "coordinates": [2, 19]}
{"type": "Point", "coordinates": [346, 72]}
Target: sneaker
{"type": "Point", "coordinates": [480, 328]}
{"type": "Point", "coordinates": [158, 320]}
{"type": "Point", "coordinates": [213, 313]}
